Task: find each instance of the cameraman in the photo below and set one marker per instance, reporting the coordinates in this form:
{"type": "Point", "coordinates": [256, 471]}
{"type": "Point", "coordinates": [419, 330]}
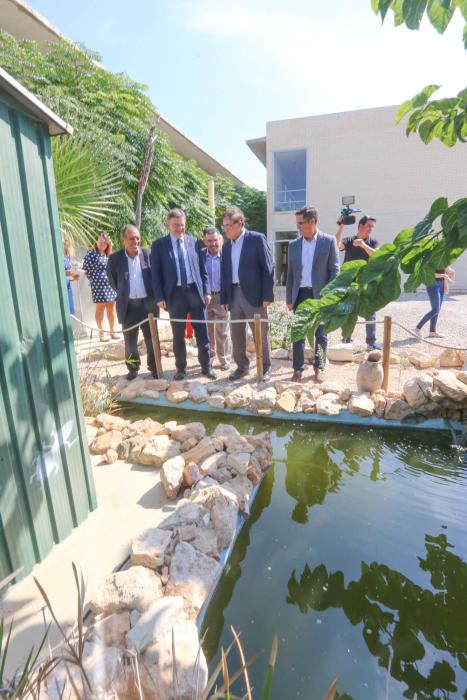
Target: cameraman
{"type": "Point", "coordinates": [360, 247]}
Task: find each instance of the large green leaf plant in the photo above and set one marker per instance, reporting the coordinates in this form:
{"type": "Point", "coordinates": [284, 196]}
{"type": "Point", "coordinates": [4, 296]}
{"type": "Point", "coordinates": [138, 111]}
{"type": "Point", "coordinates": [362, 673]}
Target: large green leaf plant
{"type": "Point", "coordinates": [361, 288]}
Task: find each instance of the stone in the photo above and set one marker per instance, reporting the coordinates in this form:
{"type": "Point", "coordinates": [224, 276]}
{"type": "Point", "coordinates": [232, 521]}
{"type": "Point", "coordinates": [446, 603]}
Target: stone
{"type": "Point", "coordinates": [192, 574]}
{"type": "Point", "coordinates": [239, 397]}
{"type": "Point", "coordinates": [111, 422]}
{"type": "Point", "coordinates": [190, 473]}
{"type": "Point", "coordinates": [430, 410]}
{"type": "Point", "coordinates": [176, 393]}
{"type": "Point", "coordinates": [224, 431]}
{"type": "Point", "coordinates": [101, 663]}
{"type": "Point", "coordinates": [189, 444]}
{"type": "Point", "coordinates": [207, 542]}
{"type": "Point", "coordinates": [239, 462]}
{"type": "Point", "coordinates": [150, 394]}
{"type": "Point", "coordinates": [422, 360]}
{"type": "Point", "coordinates": [254, 472]}
{"type": "Point", "coordinates": [450, 385]}
{"type": "Point", "coordinates": [340, 352]}
{"type": "Point", "coordinates": [359, 357]}
{"type": "Point", "coordinates": [150, 548]}
{"type": "Point", "coordinates": [216, 401]}
{"type": "Point", "coordinates": [294, 387]}
{"type": "Point", "coordinates": [397, 409]}
{"type": "Point", "coordinates": [331, 387]}
{"type": "Point", "coordinates": [451, 358]}
{"type": "Point", "coordinates": [91, 432]}
{"type": "Point", "coordinates": [280, 354]}
{"type": "Point", "coordinates": [108, 441]}
{"type": "Point", "coordinates": [169, 426]}
{"type": "Point", "coordinates": [172, 475]}
{"type": "Point", "coordinates": [223, 510]}
{"type": "Point", "coordinates": [110, 456]}
{"type": "Point", "coordinates": [241, 487]}
{"type": "Point", "coordinates": [286, 402]}
{"type": "Point", "coordinates": [204, 483]}
{"type": "Point", "coordinates": [264, 400]}
{"type": "Point", "coordinates": [190, 663]}
{"type": "Point", "coordinates": [205, 448]}
{"type": "Point", "coordinates": [111, 630]}
{"type": "Point", "coordinates": [157, 384]}
{"type": "Point", "coordinates": [146, 427]}
{"type": "Point", "coordinates": [417, 390]}
{"type": "Point", "coordinates": [222, 475]}
{"type": "Point", "coordinates": [263, 457]}
{"type": "Point", "coordinates": [198, 392]}
{"type": "Point", "coordinates": [186, 513]}
{"type": "Point", "coordinates": [462, 376]}
{"type": "Point", "coordinates": [394, 359]}
{"type": "Point", "coordinates": [136, 446]}
{"type": "Point", "coordinates": [380, 404]}
{"type": "Point", "coordinates": [361, 405]}
{"type": "Point", "coordinates": [328, 406]}
{"type": "Point", "coordinates": [158, 619]}
{"type": "Point", "coordinates": [158, 450]}
{"type": "Point", "coordinates": [212, 463]}
{"type": "Point", "coordinates": [305, 404]}
{"type": "Point", "coordinates": [240, 444]}
{"type": "Point", "coordinates": [136, 587]}
{"type": "Point", "coordinates": [189, 430]}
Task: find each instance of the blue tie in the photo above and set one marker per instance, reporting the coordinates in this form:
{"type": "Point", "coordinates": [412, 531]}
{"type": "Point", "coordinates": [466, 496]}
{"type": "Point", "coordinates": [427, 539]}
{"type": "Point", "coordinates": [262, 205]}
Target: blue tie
{"type": "Point", "coordinates": [181, 264]}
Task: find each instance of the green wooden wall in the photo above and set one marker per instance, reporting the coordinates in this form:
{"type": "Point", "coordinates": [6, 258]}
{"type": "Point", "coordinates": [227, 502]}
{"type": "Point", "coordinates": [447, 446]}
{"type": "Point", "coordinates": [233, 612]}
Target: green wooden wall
{"type": "Point", "coordinates": [46, 484]}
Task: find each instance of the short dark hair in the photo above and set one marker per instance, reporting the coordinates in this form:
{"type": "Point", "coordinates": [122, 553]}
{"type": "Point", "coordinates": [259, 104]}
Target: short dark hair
{"type": "Point", "coordinates": [176, 214]}
{"type": "Point", "coordinates": [308, 213]}
{"type": "Point", "coordinates": [365, 219]}
{"type": "Point", "coordinates": [210, 229]}
{"type": "Point", "coordinates": [234, 213]}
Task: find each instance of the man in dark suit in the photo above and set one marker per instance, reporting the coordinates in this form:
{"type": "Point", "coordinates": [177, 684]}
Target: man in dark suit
{"type": "Point", "coordinates": [247, 280]}
{"type": "Point", "coordinates": [181, 286]}
{"type": "Point", "coordinates": [313, 262]}
{"type": "Point", "coordinates": [129, 274]}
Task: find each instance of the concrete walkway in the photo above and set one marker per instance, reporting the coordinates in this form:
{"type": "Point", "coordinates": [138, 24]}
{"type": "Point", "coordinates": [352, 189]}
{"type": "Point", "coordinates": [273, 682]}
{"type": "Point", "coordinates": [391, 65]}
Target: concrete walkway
{"type": "Point", "coordinates": [131, 499]}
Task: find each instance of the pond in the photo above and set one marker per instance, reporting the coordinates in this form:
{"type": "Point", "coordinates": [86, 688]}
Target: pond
{"type": "Point", "coordinates": [355, 556]}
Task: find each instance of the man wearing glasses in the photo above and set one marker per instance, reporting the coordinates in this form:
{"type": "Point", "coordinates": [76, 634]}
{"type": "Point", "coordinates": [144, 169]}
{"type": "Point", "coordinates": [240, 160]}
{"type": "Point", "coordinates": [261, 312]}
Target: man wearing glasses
{"type": "Point", "coordinates": [247, 279]}
{"type": "Point", "coordinates": [313, 262]}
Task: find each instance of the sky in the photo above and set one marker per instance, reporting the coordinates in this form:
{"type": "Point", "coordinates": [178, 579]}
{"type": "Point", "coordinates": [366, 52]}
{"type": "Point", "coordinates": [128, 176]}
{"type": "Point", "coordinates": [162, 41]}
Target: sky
{"type": "Point", "coordinates": [219, 70]}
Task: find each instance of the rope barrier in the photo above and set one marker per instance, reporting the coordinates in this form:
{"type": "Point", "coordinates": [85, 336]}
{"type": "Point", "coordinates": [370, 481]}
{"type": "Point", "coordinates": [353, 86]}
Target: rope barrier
{"type": "Point", "coordinates": [410, 331]}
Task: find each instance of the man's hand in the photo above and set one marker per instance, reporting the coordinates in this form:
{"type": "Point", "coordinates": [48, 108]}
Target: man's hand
{"type": "Point", "coordinates": [162, 304]}
{"type": "Point", "coordinates": [290, 307]}
{"type": "Point", "coordinates": [207, 299]}
{"type": "Point", "coordinates": [358, 243]}
{"type": "Point", "coordinates": [266, 304]}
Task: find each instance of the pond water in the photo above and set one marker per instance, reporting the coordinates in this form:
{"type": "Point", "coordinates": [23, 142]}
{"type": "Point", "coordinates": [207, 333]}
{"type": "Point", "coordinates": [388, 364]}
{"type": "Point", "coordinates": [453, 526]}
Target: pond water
{"type": "Point", "coordinates": [355, 556]}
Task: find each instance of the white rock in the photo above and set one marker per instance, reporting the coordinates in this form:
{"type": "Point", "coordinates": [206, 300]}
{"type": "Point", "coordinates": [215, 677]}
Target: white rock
{"type": "Point", "coordinates": [451, 358]}
{"type": "Point", "coordinates": [417, 390]}
{"type": "Point", "coordinates": [190, 473]}
{"type": "Point", "coordinates": [207, 542]}
{"type": "Point", "coordinates": [286, 401]}
{"type": "Point", "coordinates": [328, 406]}
{"type": "Point", "coordinates": [397, 409]}
{"type": "Point", "coordinates": [176, 393]}
{"type": "Point", "coordinates": [213, 462]}
{"type": "Point", "coordinates": [189, 430]}
{"type": "Point", "coordinates": [239, 461]}
{"type": "Point", "coordinates": [280, 354]}
{"type": "Point", "coordinates": [422, 360]}
{"type": "Point", "coordinates": [192, 574]}
{"type": "Point", "coordinates": [136, 587]}
{"type": "Point", "coordinates": [450, 385]}
{"type": "Point", "coordinates": [239, 397]}
{"type": "Point", "coordinates": [187, 512]}
{"type": "Point", "coordinates": [264, 400]}
{"type": "Point", "coordinates": [240, 444]}
{"type": "Point", "coordinates": [101, 663]}
{"type": "Point", "coordinates": [216, 401]}
{"type": "Point", "coordinates": [340, 352]}
{"type": "Point", "coordinates": [462, 377]}
{"type": "Point", "coordinates": [361, 405]}
{"type": "Point", "coordinates": [107, 441]}
{"type": "Point", "coordinates": [204, 449]}
{"type": "Point", "coordinates": [157, 450]}
{"type": "Point", "coordinates": [158, 619]}
{"type": "Point", "coordinates": [198, 392]}
{"type": "Point", "coordinates": [224, 431]}
{"type": "Point", "coordinates": [111, 630]}
{"type": "Point", "coordinates": [149, 549]}
{"type": "Point", "coordinates": [172, 475]}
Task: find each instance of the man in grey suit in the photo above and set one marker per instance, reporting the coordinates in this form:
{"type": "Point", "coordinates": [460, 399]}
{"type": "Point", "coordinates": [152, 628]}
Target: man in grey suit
{"type": "Point", "coordinates": [313, 262]}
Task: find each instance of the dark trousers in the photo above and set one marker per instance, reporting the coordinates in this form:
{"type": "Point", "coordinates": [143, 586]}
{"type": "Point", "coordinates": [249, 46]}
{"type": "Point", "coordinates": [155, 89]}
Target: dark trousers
{"type": "Point", "coordinates": [182, 302]}
{"type": "Point", "coordinates": [370, 328]}
{"type": "Point", "coordinates": [137, 311]}
{"type": "Point", "coordinates": [436, 296]}
{"type": "Point", "coordinates": [321, 339]}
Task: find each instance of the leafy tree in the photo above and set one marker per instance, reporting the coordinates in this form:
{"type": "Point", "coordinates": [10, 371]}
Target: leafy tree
{"type": "Point", "coordinates": [439, 239]}
{"type": "Point", "coordinates": [115, 110]}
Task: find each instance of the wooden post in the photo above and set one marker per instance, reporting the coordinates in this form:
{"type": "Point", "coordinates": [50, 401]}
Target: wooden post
{"type": "Point", "coordinates": [212, 199]}
{"type": "Point", "coordinates": [386, 350]}
{"type": "Point", "coordinates": [156, 345]}
{"type": "Point", "coordinates": [258, 348]}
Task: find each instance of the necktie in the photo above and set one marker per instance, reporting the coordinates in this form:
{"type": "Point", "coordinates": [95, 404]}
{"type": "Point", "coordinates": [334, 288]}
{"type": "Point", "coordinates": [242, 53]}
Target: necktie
{"type": "Point", "coordinates": [181, 264]}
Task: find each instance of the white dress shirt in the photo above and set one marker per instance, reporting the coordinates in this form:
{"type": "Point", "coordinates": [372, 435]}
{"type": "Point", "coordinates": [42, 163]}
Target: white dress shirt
{"type": "Point", "coordinates": [135, 277]}
{"type": "Point", "coordinates": [237, 246]}
{"type": "Point", "coordinates": [308, 253]}
{"type": "Point", "coordinates": [189, 274]}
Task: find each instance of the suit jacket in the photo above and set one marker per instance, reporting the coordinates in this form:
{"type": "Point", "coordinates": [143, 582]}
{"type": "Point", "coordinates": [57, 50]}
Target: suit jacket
{"type": "Point", "coordinates": [325, 265]}
{"type": "Point", "coordinates": [117, 273]}
{"type": "Point", "coordinates": [164, 267]}
{"type": "Point", "coordinates": [255, 270]}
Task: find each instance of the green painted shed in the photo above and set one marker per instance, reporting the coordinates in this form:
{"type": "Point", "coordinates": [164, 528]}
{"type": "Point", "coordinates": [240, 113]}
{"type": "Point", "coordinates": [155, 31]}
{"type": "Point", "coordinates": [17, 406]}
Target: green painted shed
{"type": "Point", "coordinates": [46, 483]}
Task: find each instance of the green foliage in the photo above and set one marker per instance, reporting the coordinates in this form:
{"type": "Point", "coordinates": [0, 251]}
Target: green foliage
{"type": "Point", "coordinates": [411, 12]}
{"type": "Point", "coordinates": [444, 119]}
{"type": "Point", "coordinates": [114, 110]}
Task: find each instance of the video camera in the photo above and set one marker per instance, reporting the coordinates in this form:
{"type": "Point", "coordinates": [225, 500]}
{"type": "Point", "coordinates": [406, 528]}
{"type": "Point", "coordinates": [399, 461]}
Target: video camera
{"type": "Point", "coordinates": [348, 211]}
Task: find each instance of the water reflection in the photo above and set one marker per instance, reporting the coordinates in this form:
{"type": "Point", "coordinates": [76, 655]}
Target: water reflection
{"type": "Point", "coordinates": [400, 620]}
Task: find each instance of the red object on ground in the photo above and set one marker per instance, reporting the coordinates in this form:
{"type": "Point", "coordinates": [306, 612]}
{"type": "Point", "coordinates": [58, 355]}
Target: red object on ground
{"type": "Point", "coordinates": [188, 327]}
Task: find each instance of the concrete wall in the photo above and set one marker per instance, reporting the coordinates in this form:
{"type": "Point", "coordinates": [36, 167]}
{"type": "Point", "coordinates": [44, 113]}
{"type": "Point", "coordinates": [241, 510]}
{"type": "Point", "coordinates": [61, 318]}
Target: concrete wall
{"type": "Point", "coordinates": [363, 153]}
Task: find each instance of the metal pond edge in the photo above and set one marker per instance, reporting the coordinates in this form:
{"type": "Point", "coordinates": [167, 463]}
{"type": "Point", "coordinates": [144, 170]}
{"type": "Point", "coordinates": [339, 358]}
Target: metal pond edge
{"type": "Point", "coordinates": [343, 418]}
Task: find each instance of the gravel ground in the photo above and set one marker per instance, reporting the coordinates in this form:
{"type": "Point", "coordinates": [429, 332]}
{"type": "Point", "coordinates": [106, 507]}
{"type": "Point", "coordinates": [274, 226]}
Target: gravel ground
{"type": "Point", "coordinates": [408, 310]}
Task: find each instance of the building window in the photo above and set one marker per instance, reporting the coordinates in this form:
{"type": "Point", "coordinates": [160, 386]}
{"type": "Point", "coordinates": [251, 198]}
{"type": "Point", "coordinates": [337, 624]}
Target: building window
{"type": "Point", "coordinates": [289, 180]}
{"type": "Point", "coordinates": [281, 254]}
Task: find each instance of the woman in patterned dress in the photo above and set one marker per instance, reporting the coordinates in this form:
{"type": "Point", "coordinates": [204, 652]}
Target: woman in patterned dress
{"type": "Point", "coordinates": [95, 267]}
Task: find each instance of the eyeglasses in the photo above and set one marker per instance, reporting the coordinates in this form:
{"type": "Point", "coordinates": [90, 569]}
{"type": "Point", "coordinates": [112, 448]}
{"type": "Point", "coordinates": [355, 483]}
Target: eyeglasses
{"type": "Point", "coordinates": [301, 223]}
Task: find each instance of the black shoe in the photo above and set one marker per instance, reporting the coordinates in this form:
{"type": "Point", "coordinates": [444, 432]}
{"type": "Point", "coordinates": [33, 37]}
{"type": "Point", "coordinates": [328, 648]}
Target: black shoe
{"type": "Point", "coordinates": [209, 374]}
{"type": "Point", "coordinates": [132, 374]}
{"type": "Point", "coordinates": [267, 375]}
{"type": "Point", "coordinates": [374, 346]}
{"type": "Point", "coordinates": [179, 376]}
{"type": "Point", "coordinates": [154, 375]}
{"type": "Point", "coordinates": [238, 374]}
